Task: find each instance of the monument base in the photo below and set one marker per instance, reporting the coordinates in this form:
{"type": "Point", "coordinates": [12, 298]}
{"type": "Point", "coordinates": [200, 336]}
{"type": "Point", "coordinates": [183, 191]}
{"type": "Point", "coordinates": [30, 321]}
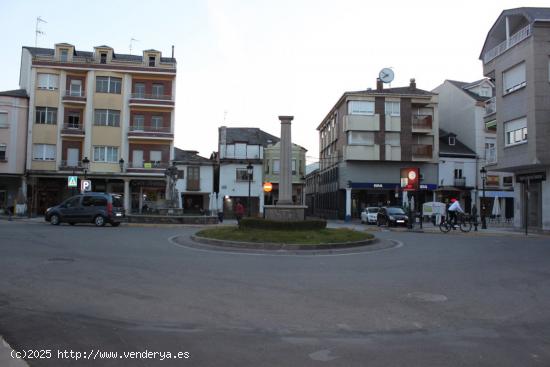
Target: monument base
{"type": "Point", "coordinates": [285, 213]}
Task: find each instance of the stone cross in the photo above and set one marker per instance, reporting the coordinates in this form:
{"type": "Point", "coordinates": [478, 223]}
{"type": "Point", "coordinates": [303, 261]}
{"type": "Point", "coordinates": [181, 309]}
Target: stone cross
{"type": "Point", "coordinates": [285, 171]}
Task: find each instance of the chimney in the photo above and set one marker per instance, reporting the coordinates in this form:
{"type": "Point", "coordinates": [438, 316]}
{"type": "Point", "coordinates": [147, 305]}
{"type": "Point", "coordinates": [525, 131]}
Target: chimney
{"type": "Point", "coordinates": [412, 86]}
{"type": "Point", "coordinates": [172, 51]}
{"type": "Point", "coordinates": [379, 85]}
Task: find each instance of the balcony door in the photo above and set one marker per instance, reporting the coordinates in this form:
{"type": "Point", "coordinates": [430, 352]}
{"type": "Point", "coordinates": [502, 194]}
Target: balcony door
{"type": "Point", "coordinates": [137, 158]}
{"type": "Point", "coordinates": [193, 179]}
{"type": "Point", "coordinates": [75, 88]}
{"type": "Point", "coordinates": [73, 155]}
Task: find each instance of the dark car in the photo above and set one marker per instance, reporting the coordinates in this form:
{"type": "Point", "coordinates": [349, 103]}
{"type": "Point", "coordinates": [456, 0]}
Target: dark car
{"type": "Point", "coordinates": [392, 216]}
{"type": "Point", "coordinates": [93, 207]}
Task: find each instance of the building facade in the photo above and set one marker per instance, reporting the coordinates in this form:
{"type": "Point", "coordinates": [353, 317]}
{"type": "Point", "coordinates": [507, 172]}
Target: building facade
{"type": "Point", "coordinates": [195, 182]}
{"type": "Point", "coordinates": [112, 110]}
{"type": "Point", "coordinates": [468, 110]}
{"type": "Point", "coordinates": [515, 58]}
{"type": "Point", "coordinates": [366, 139]}
{"type": "Point", "coordinates": [272, 155]}
{"type": "Point", "coordinates": [14, 107]}
{"type": "Point", "coordinates": [237, 149]}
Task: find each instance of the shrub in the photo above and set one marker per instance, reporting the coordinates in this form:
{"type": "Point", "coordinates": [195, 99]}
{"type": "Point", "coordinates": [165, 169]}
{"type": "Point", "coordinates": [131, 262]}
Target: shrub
{"type": "Point", "coordinates": [259, 223]}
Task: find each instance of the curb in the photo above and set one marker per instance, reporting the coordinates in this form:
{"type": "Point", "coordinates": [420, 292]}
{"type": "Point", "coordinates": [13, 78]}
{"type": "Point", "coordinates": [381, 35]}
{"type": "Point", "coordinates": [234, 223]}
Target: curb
{"type": "Point", "coordinates": [282, 246]}
{"type": "Point", "coordinates": [6, 359]}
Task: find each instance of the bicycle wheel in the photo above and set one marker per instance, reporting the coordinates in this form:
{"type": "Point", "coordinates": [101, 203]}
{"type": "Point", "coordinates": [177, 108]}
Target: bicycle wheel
{"type": "Point", "coordinates": [465, 226]}
{"type": "Point", "coordinates": [445, 227]}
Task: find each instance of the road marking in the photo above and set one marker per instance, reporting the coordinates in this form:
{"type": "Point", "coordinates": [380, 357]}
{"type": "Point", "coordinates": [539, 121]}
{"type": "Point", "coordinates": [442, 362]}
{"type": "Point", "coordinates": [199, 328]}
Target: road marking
{"type": "Point", "coordinates": [322, 355]}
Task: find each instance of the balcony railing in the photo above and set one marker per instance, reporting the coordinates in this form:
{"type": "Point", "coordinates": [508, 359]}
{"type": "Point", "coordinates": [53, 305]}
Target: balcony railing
{"type": "Point", "coordinates": [70, 165]}
{"type": "Point", "coordinates": [150, 129]}
{"type": "Point", "coordinates": [506, 44]}
{"type": "Point", "coordinates": [148, 165]}
{"type": "Point", "coordinates": [73, 129]}
{"type": "Point", "coordinates": [460, 182]}
{"type": "Point", "coordinates": [422, 150]}
{"type": "Point", "coordinates": [75, 93]}
{"type": "Point", "coordinates": [158, 97]}
{"type": "Point", "coordinates": [91, 60]}
{"type": "Point", "coordinates": [422, 122]}
{"type": "Point", "coordinates": [490, 106]}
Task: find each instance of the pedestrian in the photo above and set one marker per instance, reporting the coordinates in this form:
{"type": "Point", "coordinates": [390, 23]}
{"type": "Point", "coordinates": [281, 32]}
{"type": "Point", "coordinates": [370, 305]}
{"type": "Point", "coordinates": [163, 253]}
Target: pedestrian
{"type": "Point", "coordinates": [239, 212]}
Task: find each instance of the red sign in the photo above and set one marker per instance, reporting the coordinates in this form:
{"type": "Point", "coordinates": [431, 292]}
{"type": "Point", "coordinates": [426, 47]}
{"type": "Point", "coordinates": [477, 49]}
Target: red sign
{"type": "Point", "coordinates": [410, 178]}
{"type": "Point", "coordinates": [268, 186]}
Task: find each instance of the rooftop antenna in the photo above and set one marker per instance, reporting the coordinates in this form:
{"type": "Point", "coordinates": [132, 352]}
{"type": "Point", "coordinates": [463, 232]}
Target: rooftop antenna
{"type": "Point", "coordinates": [38, 31]}
{"type": "Point", "coordinates": [224, 115]}
{"type": "Point", "coordinates": [132, 40]}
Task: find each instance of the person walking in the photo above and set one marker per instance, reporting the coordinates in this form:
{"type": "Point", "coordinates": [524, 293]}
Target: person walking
{"type": "Point", "coordinates": [239, 212]}
{"type": "Point", "coordinates": [453, 209]}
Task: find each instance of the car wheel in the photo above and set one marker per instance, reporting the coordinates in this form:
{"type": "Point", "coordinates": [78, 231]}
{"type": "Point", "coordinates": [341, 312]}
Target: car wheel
{"type": "Point", "coordinates": [55, 220]}
{"type": "Point", "coordinates": [115, 224]}
{"type": "Point", "coordinates": [99, 221]}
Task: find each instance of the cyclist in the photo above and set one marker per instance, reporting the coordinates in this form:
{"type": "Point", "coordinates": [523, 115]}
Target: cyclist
{"type": "Point", "coordinates": [453, 209]}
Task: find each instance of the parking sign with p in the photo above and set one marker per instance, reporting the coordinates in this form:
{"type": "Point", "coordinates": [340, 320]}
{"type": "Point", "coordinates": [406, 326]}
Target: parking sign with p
{"type": "Point", "coordinates": [85, 185]}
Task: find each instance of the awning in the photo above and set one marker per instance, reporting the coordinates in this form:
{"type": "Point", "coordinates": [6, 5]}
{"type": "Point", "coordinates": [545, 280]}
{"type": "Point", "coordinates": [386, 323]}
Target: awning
{"type": "Point", "coordinates": [497, 194]}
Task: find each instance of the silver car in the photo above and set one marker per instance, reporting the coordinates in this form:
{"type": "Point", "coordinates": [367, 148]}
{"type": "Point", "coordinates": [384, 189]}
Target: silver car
{"type": "Point", "coordinates": [368, 215]}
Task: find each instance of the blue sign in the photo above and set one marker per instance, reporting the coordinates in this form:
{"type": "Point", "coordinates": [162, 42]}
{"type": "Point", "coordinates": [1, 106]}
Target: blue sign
{"type": "Point", "coordinates": [72, 181]}
{"type": "Point", "coordinates": [387, 186]}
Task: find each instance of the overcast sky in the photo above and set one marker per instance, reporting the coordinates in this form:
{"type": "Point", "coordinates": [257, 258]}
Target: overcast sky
{"type": "Point", "coordinates": [243, 63]}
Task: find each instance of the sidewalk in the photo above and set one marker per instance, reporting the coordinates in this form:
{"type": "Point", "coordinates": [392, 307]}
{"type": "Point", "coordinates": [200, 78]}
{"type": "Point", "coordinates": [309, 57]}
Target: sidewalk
{"type": "Point", "coordinates": [6, 359]}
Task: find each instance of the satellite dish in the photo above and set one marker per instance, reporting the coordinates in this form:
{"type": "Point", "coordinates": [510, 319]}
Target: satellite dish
{"type": "Point", "coordinates": [386, 75]}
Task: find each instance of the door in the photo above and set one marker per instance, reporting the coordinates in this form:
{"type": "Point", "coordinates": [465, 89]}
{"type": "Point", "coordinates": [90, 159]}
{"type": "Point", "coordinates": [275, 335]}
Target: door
{"type": "Point", "coordinates": [71, 210]}
{"type": "Point", "coordinates": [534, 195]}
{"type": "Point", "coordinates": [73, 157]}
{"type": "Point", "coordinates": [137, 159]}
{"type": "Point", "coordinates": [76, 88]}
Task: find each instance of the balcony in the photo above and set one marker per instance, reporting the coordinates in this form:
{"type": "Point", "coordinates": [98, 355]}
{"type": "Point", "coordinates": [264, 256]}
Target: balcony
{"type": "Point", "coordinates": [460, 182]}
{"type": "Point", "coordinates": [74, 97]}
{"type": "Point", "coordinates": [71, 166]}
{"type": "Point", "coordinates": [362, 152]}
{"type": "Point", "coordinates": [490, 107]}
{"type": "Point", "coordinates": [50, 59]}
{"type": "Point", "coordinates": [72, 129]}
{"type": "Point", "coordinates": [139, 132]}
{"type": "Point", "coordinates": [422, 123]}
{"type": "Point", "coordinates": [422, 151]}
{"type": "Point", "coordinates": [507, 44]}
{"type": "Point", "coordinates": [362, 123]}
{"type": "Point", "coordinates": [142, 99]}
{"type": "Point", "coordinates": [151, 167]}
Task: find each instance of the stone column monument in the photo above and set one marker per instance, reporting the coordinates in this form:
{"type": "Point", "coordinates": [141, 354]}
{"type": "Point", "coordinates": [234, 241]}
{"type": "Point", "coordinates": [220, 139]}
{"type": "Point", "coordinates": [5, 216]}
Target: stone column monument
{"type": "Point", "coordinates": [285, 210]}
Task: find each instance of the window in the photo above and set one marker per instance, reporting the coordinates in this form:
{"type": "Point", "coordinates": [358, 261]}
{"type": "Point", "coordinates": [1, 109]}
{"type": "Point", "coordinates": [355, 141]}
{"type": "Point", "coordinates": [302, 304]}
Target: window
{"type": "Point", "coordinates": [158, 90]}
{"type": "Point", "coordinates": [242, 175]}
{"type": "Point", "coordinates": [193, 178]}
{"type": "Point", "coordinates": [48, 81]}
{"type": "Point", "coordinates": [152, 60]}
{"type": "Point", "coordinates": [3, 149]}
{"type": "Point", "coordinates": [108, 84]}
{"type": "Point", "coordinates": [4, 119]}
{"type": "Point", "coordinates": [73, 120]}
{"type": "Point", "coordinates": [72, 202]}
{"type": "Point", "coordinates": [64, 56]}
{"type": "Point", "coordinates": [515, 131]}
{"type": "Point", "coordinates": [105, 154]}
{"type": "Point", "coordinates": [360, 138]}
{"type": "Point", "coordinates": [361, 107]}
{"type": "Point", "coordinates": [43, 152]}
{"type": "Point", "coordinates": [46, 115]}
{"type": "Point", "coordinates": [393, 108]}
{"type": "Point", "coordinates": [393, 139]}
{"type": "Point", "coordinates": [139, 90]}
{"type": "Point", "coordinates": [107, 118]}
{"type": "Point", "coordinates": [75, 88]}
{"type": "Point", "coordinates": [94, 201]}
{"type": "Point", "coordinates": [276, 166]}
{"type": "Point", "coordinates": [240, 150]}
{"type": "Point", "coordinates": [485, 92]}
{"type": "Point", "coordinates": [156, 122]}
{"type": "Point", "coordinates": [458, 172]}
{"type": "Point", "coordinates": [155, 156]}
{"type": "Point", "coordinates": [103, 58]}
{"type": "Point", "coordinates": [513, 79]}
{"type": "Point", "coordinates": [507, 181]}
{"type": "Point", "coordinates": [490, 152]}
{"type": "Point", "coordinates": [452, 140]}
{"type": "Point", "coordinates": [139, 121]}
{"type": "Point", "coordinates": [294, 166]}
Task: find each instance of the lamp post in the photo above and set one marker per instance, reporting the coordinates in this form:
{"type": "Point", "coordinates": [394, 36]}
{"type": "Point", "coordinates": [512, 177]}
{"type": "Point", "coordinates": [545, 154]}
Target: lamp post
{"type": "Point", "coordinates": [121, 164]}
{"type": "Point", "coordinates": [86, 166]}
{"type": "Point", "coordinates": [483, 173]}
{"type": "Point", "coordinates": [249, 171]}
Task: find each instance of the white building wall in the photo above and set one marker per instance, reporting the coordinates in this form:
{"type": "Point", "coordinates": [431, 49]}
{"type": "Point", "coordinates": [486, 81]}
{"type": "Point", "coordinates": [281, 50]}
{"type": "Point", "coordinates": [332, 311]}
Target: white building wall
{"type": "Point", "coordinates": [206, 179]}
{"type": "Point", "coordinates": [229, 186]}
{"type": "Point", "coordinates": [447, 167]}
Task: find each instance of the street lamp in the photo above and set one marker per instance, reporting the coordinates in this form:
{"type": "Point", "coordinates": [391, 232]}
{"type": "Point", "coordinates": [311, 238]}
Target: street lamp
{"type": "Point", "coordinates": [249, 171]}
{"type": "Point", "coordinates": [86, 166]}
{"type": "Point", "coordinates": [121, 164]}
{"type": "Point", "coordinates": [483, 173]}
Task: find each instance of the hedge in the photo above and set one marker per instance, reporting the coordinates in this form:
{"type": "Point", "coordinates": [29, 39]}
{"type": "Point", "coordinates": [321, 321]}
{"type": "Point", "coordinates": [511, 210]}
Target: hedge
{"type": "Point", "coordinates": [259, 223]}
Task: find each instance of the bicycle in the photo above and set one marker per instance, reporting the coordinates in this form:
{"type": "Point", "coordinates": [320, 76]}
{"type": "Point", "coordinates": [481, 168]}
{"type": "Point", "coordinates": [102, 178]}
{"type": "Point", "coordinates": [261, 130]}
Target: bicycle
{"type": "Point", "coordinates": [464, 223]}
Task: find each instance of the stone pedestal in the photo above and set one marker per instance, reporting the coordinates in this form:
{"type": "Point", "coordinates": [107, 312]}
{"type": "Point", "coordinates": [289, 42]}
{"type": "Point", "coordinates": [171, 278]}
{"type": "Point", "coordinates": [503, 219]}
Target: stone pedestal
{"type": "Point", "coordinates": [285, 213]}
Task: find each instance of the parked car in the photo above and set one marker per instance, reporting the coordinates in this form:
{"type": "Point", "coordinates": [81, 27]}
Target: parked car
{"type": "Point", "coordinates": [92, 207]}
{"type": "Point", "coordinates": [369, 215]}
{"type": "Point", "coordinates": [391, 216]}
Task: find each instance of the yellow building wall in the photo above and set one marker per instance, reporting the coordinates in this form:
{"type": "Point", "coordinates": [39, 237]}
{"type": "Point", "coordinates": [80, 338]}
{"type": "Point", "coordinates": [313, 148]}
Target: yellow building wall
{"type": "Point", "coordinates": [44, 134]}
{"type": "Point", "coordinates": [104, 167]}
{"type": "Point", "coordinates": [106, 135]}
{"type": "Point", "coordinates": [46, 98]}
{"type": "Point", "coordinates": [43, 165]}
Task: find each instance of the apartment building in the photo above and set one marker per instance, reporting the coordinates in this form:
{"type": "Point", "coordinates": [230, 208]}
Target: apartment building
{"type": "Point", "coordinates": [515, 57]}
{"type": "Point", "coordinates": [366, 139]}
{"type": "Point", "coordinates": [468, 110]}
{"type": "Point", "coordinates": [271, 172]}
{"type": "Point", "coordinates": [99, 115]}
{"type": "Point", "coordinates": [239, 148]}
{"type": "Point", "coordinates": [14, 107]}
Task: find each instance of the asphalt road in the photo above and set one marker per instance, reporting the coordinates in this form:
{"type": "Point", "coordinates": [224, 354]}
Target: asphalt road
{"type": "Point", "coordinates": [439, 300]}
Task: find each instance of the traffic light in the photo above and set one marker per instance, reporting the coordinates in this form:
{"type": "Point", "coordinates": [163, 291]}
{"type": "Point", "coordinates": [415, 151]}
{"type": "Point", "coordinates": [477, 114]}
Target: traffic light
{"type": "Point", "coordinates": [410, 179]}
